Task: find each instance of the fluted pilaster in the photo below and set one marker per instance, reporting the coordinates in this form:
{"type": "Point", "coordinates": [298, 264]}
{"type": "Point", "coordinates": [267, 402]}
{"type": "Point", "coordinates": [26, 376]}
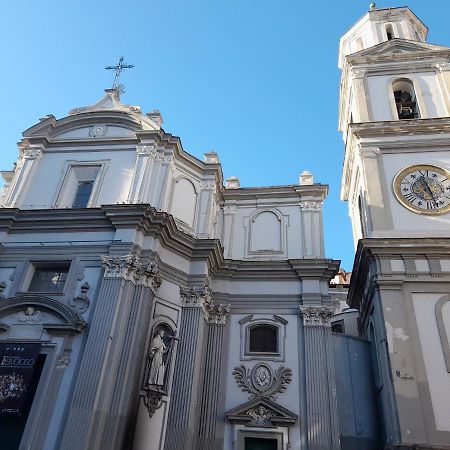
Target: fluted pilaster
{"type": "Point", "coordinates": [321, 408]}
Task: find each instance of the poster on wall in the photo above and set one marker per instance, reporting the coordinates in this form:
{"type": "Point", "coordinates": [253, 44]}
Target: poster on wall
{"type": "Point", "coordinates": [17, 362]}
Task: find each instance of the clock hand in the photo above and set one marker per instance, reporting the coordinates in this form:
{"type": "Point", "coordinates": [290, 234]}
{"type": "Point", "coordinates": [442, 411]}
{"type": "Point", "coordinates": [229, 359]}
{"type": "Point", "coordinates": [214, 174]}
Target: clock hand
{"type": "Point", "coordinates": [427, 188]}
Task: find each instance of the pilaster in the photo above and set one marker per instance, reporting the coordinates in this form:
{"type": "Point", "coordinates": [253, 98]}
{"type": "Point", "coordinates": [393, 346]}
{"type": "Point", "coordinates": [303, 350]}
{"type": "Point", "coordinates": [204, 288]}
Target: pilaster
{"type": "Point", "coordinates": [443, 73]}
{"type": "Point", "coordinates": [107, 386]}
{"type": "Point", "coordinates": [321, 402]}
{"type": "Point", "coordinates": [29, 158]}
{"type": "Point", "coordinates": [360, 94]}
{"type": "Point", "coordinates": [183, 407]}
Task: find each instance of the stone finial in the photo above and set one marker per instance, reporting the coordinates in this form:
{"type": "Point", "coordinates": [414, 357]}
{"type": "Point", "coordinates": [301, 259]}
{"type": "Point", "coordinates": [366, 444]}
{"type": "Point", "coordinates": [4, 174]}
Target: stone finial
{"type": "Point", "coordinates": [372, 7]}
{"type": "Point", "coordinates": [211, 158]}
{"type": "Point", "coordinates": [306, 178]}
{"type": "Point", "coordinates": [233, 183]}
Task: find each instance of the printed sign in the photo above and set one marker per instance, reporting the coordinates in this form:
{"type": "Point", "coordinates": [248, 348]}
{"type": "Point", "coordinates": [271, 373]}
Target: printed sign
{"type": "Point", "coordinates": [17, 362]}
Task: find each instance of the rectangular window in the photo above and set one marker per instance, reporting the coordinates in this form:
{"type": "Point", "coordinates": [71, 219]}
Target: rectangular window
{"type": "Point", "coordinates": [253, 443]}
{"type": "Point", "coordinates": [49, 279]}
{"type": "Point", "coordinates": [83, 194]}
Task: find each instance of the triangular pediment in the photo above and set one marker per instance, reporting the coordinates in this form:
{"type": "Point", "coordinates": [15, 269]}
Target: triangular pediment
{"type": "Point", "coordinates": [261, 412]}
{"type": "Point", "coordinates": [399, 46]}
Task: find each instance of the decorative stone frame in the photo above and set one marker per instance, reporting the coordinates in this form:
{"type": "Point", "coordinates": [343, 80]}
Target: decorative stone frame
{"type": "Point", "coordinates": [281, 435]}
{"type": "Point", "coordinates": [249, 322]}
{"type": "Point", "coordinates": [98, 182]}
{"type": "Point", "coordinates": [248, 226]}
{"type": "Point", "coordinates": [24, 278]}
{"type": "Point", "coordinates": [57, 351]}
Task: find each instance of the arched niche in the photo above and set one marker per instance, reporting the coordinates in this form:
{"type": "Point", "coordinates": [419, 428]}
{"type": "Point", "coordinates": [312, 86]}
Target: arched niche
{"type": "Point", "coordinates": [266, 232]}
{"type": "Point", "coordinates": [184, 201]}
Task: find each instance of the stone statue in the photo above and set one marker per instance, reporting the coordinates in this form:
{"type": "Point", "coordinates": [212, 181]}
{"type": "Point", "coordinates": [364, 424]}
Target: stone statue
{"type": "Point", "coordinates": [157, 366]}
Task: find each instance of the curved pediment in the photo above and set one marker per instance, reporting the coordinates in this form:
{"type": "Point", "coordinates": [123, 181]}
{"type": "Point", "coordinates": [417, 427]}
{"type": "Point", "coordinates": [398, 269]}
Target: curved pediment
{"type": "Point", "coordinates": [36, 309]}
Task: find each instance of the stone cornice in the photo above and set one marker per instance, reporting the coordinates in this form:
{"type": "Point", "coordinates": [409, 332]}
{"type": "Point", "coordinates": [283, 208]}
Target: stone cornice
{"type": "Point", "coordinates": [161, 226]}
{"type": "Point", "coordinates": [369, 252]}
{"type": "Point", "coordinates": [130, 268]}
{"type": "Point", "coordinates": [312, 192]}
{"type": "Point", "coordinates": [401, 127]}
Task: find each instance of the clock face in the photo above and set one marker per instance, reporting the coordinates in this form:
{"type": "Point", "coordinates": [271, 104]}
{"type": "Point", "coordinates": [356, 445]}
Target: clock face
{"type": "Point", "coordinates": [424, 189]}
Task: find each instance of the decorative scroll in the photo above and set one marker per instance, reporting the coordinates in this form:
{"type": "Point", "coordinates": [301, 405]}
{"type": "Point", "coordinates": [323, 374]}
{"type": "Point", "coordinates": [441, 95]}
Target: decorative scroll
{"type": "Point", "coordinates": [17, 362]}
{"type": "Point", "coordinates": [261, 381]}
{"type": "Point", "coordinates": [81, 302]}
{"type": "Point", "coordinates": [130, 268]}
{"type": "Point", "coordinates": [195, 296]}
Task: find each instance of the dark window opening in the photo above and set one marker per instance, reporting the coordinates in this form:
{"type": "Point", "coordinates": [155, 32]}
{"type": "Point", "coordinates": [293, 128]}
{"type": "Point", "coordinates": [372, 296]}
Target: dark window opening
{"type": "Point", "coordinates": [49, 279]}
{"type": "Point", "coordinates": [83, 194]}
{"type": "Point", "coordinates": [338, 327]}
{"type": "Point", "coordinates": [264, 339]}
{"type": "Point", "coordinates": [389, 36]}
{"type": "Point", "coordinates": [252, 443]}
{"type": "Point", "coordinates": [12, 426]}
{"type": "Point", "coordinates": [406, 105]}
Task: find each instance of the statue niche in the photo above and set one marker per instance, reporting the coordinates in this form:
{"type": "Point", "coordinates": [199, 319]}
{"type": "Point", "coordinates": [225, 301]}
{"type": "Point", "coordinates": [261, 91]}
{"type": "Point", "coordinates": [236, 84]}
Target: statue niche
{"type": "Point", "coordinates": [157, 367]}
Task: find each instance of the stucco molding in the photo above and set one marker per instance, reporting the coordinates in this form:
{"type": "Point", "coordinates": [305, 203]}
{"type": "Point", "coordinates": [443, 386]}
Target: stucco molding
{"type": "Point", "coordinates": [132, 269]}
{"type": "Point", "coordinates": [443, 67]}
{"type": "Point", "coordinates": [146, 150]}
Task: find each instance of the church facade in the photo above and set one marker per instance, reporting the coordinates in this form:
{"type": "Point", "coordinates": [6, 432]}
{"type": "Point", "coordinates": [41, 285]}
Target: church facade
{"type": "Point", "coordinates": [149, 304]}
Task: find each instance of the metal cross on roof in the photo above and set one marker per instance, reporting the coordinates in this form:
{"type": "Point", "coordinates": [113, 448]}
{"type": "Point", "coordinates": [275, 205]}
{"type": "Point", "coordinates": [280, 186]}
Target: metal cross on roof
{"type": "Point", "coordinates": [118, 68]}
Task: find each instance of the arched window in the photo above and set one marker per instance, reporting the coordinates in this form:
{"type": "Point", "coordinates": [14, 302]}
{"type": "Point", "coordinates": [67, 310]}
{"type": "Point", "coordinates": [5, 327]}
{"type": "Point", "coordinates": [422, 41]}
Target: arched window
{"type": "Point", "coordinates": [263, 339]}
{"type": "Point", "coordinates": [389, 32]}
{"type": "Point", "coordinates": [405, 99]}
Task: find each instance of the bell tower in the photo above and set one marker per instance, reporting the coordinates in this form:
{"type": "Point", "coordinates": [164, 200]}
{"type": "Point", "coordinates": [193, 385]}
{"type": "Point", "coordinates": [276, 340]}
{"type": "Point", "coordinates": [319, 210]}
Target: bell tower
{"type": "Point", "coordinates": [394, 117]}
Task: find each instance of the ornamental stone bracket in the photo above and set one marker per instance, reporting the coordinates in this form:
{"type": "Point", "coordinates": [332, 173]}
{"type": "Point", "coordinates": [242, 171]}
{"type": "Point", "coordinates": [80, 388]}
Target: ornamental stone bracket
{"type": "Point", "coordinates": [369, 152]}
{"type": "Point", "coordinates": [153, 400]}
{"type": "Point", "coordinates": [130, 268]}
{"type": "Point", "coordinates": [81, 302]}
{"type": "Point", "coordinates": [316, 315]}
{"type": "Point", "coordinates": [201, 296]}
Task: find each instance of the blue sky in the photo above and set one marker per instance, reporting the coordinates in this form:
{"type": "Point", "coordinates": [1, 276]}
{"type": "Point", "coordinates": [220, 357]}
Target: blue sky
{"type": "Point", "coordinates": [256, 81]}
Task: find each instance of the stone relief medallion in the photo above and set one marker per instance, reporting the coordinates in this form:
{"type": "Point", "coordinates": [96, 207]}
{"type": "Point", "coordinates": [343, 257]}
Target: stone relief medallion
{"type": "Point", "coordinates": [261, 381]}
{"type": "Point", "coordinates": [98, 131]}
{"type": "Point", "coordinates": [261, 377]}
{"type": "Point", "coordinates": [260, 415]}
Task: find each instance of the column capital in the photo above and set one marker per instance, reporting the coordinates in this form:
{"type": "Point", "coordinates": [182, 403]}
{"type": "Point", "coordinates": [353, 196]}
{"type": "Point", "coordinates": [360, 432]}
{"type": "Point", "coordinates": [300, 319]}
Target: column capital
{"type": "Point", "coordinates": [195, 296]}
{"type": "Point", "coordinates": [316, 315]}
{"type": "Point", "coordinates": [31, 152]}
{"type": "Point", "coordinates": [311, 205]}
{"type": "Point", "coordinates": [132, 269]}
{"type": "Point", "coordinates": [146, 150]}
{"type": "Point", "coordinates": [369, 152]}
{"type": "Point", "coordinates": [358, 73]}
{"type": "Point", "coordinates": [216, 313]}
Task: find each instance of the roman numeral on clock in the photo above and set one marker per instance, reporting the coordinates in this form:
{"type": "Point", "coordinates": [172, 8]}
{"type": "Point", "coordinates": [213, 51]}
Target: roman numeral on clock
{"type": "Point", "coordinates": [410, 197]}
